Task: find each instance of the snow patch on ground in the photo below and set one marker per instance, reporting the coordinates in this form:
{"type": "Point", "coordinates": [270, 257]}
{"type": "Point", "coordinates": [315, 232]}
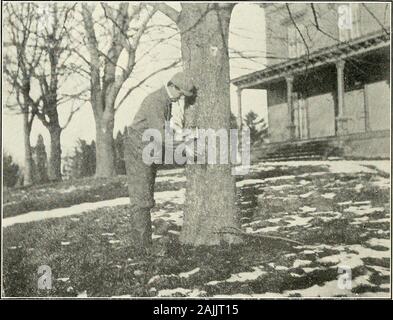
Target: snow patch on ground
{"type": "Point", "coordinates": [354, 260]}
{"type": "Point", "coordinates": [175, 217]}
{"type": "Point", "coordinates": [170, 172]}
{"type": "Point", "coordinates": [299, 221]}
{"type": "Point", "coordinates": [281, 187]}
{"type": "Point", "coordinates": [336, 166]}
{"type": "Point", "coordinates": [246, 182]}
{"type": "Point", "coordinates": [171, 179]}
{"type": "Point", "coordinates": [307, 209]}
{"type": "Point", "coordinates": [382, 183]}
{"type": "Point", "coordinates": [382, 165]}
{"type": "Point", "coordinates": [301, 263]}
{"type": "Point", "coordinates": [380, 242]}
{"type": "Point", "coordinates": [265, 229]}
{"type": "Point", "coordinates": [70, 189]}
{"type": "Point", "coordinates": [175, 196]}
{"type": "Point", "coordinates": [254, 296]}
{"type": "Point", "coordinates": [183, 291]}
{"type": "Point", "coordinates": [242, 276]}
{"type": "Point", "coordinates": [363, 210]}
{"type": "Point", "coordinates": [63, 212]}
{"type": "Point", "coordinates": [189, 273]}
{"type": "Point", "coordinates": [306, 195]}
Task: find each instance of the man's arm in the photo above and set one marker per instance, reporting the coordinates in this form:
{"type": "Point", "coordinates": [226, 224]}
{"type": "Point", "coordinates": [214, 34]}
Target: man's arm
{"type": "Point", "coordinates": [177, 121]}
{"type": "Point", "coordinates": [147, 117]}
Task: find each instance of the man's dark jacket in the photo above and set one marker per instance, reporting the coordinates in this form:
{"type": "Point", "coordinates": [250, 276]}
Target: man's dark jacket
{"type": "Point", "coordinates": [154, 111]}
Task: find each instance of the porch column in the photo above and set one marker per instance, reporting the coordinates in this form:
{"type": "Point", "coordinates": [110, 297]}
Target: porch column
{"type": "Point", "coordinates": [239, 109]}
{"type": "Point", "coordinates": [290, 126]}
{"type": "Point", "coordinates": [341, 119]}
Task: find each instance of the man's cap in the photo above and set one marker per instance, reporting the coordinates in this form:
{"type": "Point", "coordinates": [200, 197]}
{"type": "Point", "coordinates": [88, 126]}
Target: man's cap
{"type": "Point", "coordinates": [184, 83]}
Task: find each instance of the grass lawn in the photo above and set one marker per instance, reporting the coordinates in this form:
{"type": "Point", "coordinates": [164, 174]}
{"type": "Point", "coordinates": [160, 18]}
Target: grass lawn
{"type": "Point", "coordinates": [71, 192]}
{"type": "Point", "coordinates": [342, 219]}
{"type": "Point", "coordinates": [67, 193]}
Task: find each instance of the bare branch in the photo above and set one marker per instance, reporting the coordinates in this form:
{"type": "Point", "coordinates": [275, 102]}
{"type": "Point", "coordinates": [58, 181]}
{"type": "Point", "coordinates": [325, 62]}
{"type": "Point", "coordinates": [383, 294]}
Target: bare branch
{"type": "Point", "coordinates": [315, 16]}
{"type": "Point", "coordinates": [297, 28]}
{"type": "Point", "coordinates": [92, 44]}
{"type": "Point", "coordinates": [142, 28]}
{"type": "Point", "coordinates": [170, 12]}
{"type": "Point", "coordinates": [70, 116]}
{"type": "Point", "coordinates": [172, 65]}
{"type": "Point", "coordinates": [376, 19]}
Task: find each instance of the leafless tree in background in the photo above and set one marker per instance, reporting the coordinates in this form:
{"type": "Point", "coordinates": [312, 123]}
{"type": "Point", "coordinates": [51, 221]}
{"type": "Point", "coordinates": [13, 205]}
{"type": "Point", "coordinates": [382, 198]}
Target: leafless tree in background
{"type": "Point", "coordinates": [39, 34]}
{"type": "Point", "coordinates": [21, 57]}
{"type": "Point", "coordinates": [54, 70]}
{"type": "Point", "coordinates": [125, 24]}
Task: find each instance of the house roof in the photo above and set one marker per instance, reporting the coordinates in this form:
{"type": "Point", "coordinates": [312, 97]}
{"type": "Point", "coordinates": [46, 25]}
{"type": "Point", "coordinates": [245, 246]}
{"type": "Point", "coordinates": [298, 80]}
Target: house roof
{"type": "Point", "coordinates": [315, 59]}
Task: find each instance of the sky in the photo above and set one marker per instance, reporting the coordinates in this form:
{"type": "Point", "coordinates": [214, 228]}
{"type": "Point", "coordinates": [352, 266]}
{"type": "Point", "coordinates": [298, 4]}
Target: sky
{"type": "Point", "coordinates": [247, 35]}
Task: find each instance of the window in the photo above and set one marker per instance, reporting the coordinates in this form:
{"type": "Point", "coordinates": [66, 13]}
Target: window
{"type": "Point", "coordinates": [355, 10]}
{"type": "Point", "coordinates": [291, 42]}
{"type": "Point", "coordinates": [296, 46]}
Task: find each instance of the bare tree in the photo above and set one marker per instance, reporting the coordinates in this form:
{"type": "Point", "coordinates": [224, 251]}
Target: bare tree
{"type": "Point", "coordinates": [54, 69]}
{"type": "Point", "coordinates": [38, 64]}
{"type": "Point", "coordinates": [21, 57]}
{"type": "Point", "coordinates": [127, 22]}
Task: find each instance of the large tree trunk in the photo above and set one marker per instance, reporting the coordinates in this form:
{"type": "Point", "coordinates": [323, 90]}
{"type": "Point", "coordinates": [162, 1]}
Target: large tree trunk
{"type": "Point", "coordinates": [28, 170]}
{"type": "Point", "coordinates": [210, 198]}
{"type": "Point", "coordinates": [105, 160]}
{"type": "Point", "coordinates": [54, 168]}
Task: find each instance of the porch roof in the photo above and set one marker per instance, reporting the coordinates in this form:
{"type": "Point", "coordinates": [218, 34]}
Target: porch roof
{"type": "Point", "coordinates": [315, 59]}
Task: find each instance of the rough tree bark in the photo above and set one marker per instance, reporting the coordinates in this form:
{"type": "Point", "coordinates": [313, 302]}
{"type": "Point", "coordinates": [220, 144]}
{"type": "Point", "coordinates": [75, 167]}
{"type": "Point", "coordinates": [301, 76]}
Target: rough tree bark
{"type": "Point", "coordinates": [49, 92]}
{"type": "Point", "coordinates": [104, 148]}
{"type": "Point", "coordinates": [28, 168]}
{"type": "Point", "coordinates": [210, 197]}
{"type": "Point", "coordinates": [49, 117]}
{"type": "Point", "coordinates": [54, 165]}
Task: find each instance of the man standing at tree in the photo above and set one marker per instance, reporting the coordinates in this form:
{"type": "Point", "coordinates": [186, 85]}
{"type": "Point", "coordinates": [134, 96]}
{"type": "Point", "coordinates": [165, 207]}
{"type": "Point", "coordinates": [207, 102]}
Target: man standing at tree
{"type": "Point", "coordinates": [156, 111]}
